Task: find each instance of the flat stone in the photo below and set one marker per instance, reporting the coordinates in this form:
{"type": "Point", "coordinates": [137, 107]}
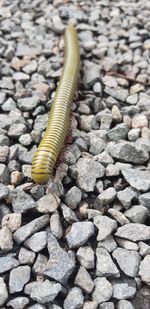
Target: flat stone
{"type": "Point", "coordinates": [103, 290]}
{"type": "Point", "coordinates": [37, 242]}
{"type": "Point", "coordinates": [19, 276]}
{"type": "Point", "coordinates": [123, 288]}
{"type": "Point", "coordinates": [21, 201]}
{"type": "Point", "coordinates": [134, 232]}
{"type": "Point", "coordinates": [127, 244]}
{"type": "Point", "coordinates": [18, 302]}
{"type": "Point", "coordinates": [74, 299]}
{"type": "Point", "coordinates": [26, 256]}
{"type": "Point", "coordinates": [60, 265]}
{"type": "Point", "coordinates": [27, 104]}
{"type": "Point", "coordinates": [108, 243]}
{"type": "Point", "coordinates": [48, 203]}
{"type": "Point", "coordinates": [3, 292]}
{"type": "Point", "coordinates": [104, 264]}
{"type": "Point", "coordinates": [107, 196]}
{"type": "Point", "coordinates": [80, 233]}
{"type": "Point", "coordinates": [7, 262]}
{"type": "Point", "coordinates": [139, 121]}
{"type": "Point", "coordinates": [137, 214]}
{"type": "Point", "coordinates": [30, 228]}
{"type": "Point", "coordinates": [84, 281]}
{"type": "Point", "coordinates": [105, 226]}
{"type": "Point", "coordinates": [73, 197]}
{"type": "Point", "coordinates": [45, 291]}
{"type": "Point", "coordinates": [144, 270]}
{"type": "Point", "coordinates": [85, 257]}
{"type": "Point", "coordinates": [128, 261]}
{"type": "Point", "coordinates": [137, 179]}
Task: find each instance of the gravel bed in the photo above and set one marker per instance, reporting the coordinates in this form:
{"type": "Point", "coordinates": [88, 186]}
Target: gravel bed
{"type": "Point", "coordinates": [82, 240]}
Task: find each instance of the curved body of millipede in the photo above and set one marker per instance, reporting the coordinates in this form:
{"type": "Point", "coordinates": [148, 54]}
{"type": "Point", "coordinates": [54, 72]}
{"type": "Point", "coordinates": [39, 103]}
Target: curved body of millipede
{"type": "Point", "coordinates": [46, 154]}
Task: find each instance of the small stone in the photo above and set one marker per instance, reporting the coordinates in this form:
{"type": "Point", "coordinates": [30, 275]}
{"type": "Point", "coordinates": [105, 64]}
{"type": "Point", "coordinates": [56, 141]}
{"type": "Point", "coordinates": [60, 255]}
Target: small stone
{"type": "Point", "coordinates": [20, 76]}
{"type": "Point", "coordinates": [45, 291]}
{"type": "Point", "coordinates": [85, 256]}
{"type": "Point", "coordinates": [106, 120]}
{"type": "Point", "coordinates": [40, 264]}
{"type": "Point", "coordinates": [133, 134]}
{"type": "Point", "coordinates": [28, 104]}
{"type": "Point", "coordinates": [137, 214]}
{"type": "Point", "coordinates": [134, 89]}
{"type": "Point", "coordinates": [112, 170]}
{"type": "Point", "coordinates": [144, 102]}
{"type": "Point", "coordinates": [4, 140]}
{"type": "Point", "coordinates": [7, 262]}
{"type": "Point", "coordinates": [127, 244]}
{"type": "Point", "coordinates": [15, 178]}
{"type": "Point", "coordinates": [104, 264]}
{"type": "Point", "coordinates": [37, 242]}
{"type": "Point", "coordinates": [31, 67]}
{"type": "Point", "coordinates": [6, 83]}
{"type": "Point", "coordinates": [105, 226]}
{"type": "Point", "coordinates": [68, 214]}
{"type": "Point", "coordinates": [73, 197]}
{"type": "Point", "coordinates": [137, 178]}
{"type": "Point", "coordinates": [55, 225]}
{"type": "Point", "coordinates": [18, 302]}
{"type": "Point", "coordinates": [132, 99]}
{"type": "Point", "coordinates": [116, 114]}
{"type": "Point", "coordinates": [107, 196]}
{"type": "Point", "coordinates": [8, 105]}
{"type": "Point", "coordinates": [30, 228]}
{"type": "Point", "coordinates": [119, 94]}
{"type": "Point", "coordinates": [134, 232]}
{"type": "Point", "coordinates": [60, 265]}
{"type": "Point", "coordinates": [128, 261]}
{"type": "Point", "coordinates": [16, 130]}
{"type": "Point", "coordinates": [80, 233]}
{"type": "Point", "coordinates": [144, 249]}
{"type": "Point", "coordinates": [119, 132]}
{"type": "Point", "coordinates": [26, 170]}
{"type": "Point", "coordinates": [74, 299]}
{"type": "Point", "coordinates": [124, 304]}
{"type": "Point", "coordinates": [57, 24]}
{"type": "Point", "coordinates": [104, 158]}
{"type": "Point", "coordinates": [91, 73]}
{"type": "Point", "coordinates": [139, 121]}
{"type": "Point", "coordinates": [90, 305]}
{"type": "Point", "coordinates": [48, 203]}
{"type": "Point", "coordinates": [88, 122]}
{"type": "Point", "coordinates": [21, 201]}
{"type": "Point", "coordinates": [3, 292]}
{"type": "Point", "coordinates": [144, 270]}
{"type": "Point", "coordinates": [108, 243]}
{"type": "Point", "coordinates": [4, 174]}
{"type": "Point", "coordinates": [3, 191]}
{"type": "Point", "coordinates": [123, 288]}
{"type": "Point", "coordinates": [26, 256]}
{"type": "Point", "coordinates": [12, 221]}
{"type": "Point", "coordinates": [25, 139]}
{"type": "Point", "coordinates": [118, 216]}
{"type": "Point", "coordinates": [84, 281]}
{"type": "Point", "coordinates": [97, 145]}
{"type": "Point", "coordinates": [103, 290]}
{"type": "Point", "coordinates": [97, 88]}
{"type": "Point", "coordinates": [6, 240]}
{"type": "Point", "coordinates": [126, 196]}
{"type": "Point", "coordinates": [144, 199]}
{"type": "Point", "coordinates": [4, 151]}
{"type": "Point", "coordinates": [19, 276]}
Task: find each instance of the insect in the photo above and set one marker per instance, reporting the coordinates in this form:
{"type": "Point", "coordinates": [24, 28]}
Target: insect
{"type": "Point", "coordinates": [46, 154]}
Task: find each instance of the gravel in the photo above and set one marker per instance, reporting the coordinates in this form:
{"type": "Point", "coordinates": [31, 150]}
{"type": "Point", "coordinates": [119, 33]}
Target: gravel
{"type": "Point", "coordinates": [103, 290]}
{"type": "Point", "coordinates": [19, 276]}
{"type": "Point", "coordinates": [127, 260]}
{"type": "Point", "coordinates": [3, 292]}
{"type": "Point", "coordinates": [79, 234]}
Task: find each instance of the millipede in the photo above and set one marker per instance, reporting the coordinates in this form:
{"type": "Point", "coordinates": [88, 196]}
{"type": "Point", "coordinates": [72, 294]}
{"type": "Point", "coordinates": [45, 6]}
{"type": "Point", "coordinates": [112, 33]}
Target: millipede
{"type": "Point", "coordinates": [49, 148]}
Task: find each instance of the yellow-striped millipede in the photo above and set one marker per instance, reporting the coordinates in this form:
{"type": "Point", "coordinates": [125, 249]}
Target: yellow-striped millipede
{"type": "Point", "coordinates": [47, 153]}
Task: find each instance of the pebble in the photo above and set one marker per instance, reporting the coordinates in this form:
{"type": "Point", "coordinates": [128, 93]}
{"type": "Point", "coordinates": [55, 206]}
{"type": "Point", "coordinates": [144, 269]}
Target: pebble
{"type": "Point", "coordinates": [4, 140]}
{"type": "Point", "coordinates": [68, 214]}
{"type": "Point", "coordinates": [25, 139]}
{"type": "Point", "coordinates": [4, 174]}
{"type": "Point", "coordinates": [84, 281]}
{"type": "Point", "coordinates": [26, 256]}
{"type": "Point", "coordinates": [57, 24]}
{"type": "Point", "coordinates": [91, 73]}
{"type": "Point", "coordinates": [116, 114]}
{"type": "Point", "coordinates": [55, 225]}
{"type": "Point", "coordinates": [132, 99]}
{"type": "Point", "coordinates": [105, 226]}
{"type": "Point", "coordinates": [3, 191]}
{"type": "Point", "coordinates": [15, 178]}
{"type": "Point", "coordinates": [8, 105]}
{"type": "Point", "coordinates": [144, 102]}
{"type": "Point", "coordinates": [104, 158]}
{"type": "Point", "coordinates": [133, 134]}
{"type": "Point", "coordinates": [18, 302]}
{"type": "Point", "coordinates": [48, 203]}
{"type": "Point", "coordinates": [107, 196]}
{"type": "Point", "coordinates": [85, 256]}
{"type": "Point", "coordinates": [80, 233]}
{"type": "Point", "coordinates": [20, 76]}
{"type": "Point", "coordinates": [144, 271]}
{"type": "Point", "coordinates": [139, 121]}
{"type": "Point", "coordinates": [106, 305]}
{"type": "Point", "coordinates": [7, 262]}
{"type": "Point", "coordinates": [123, 288]}
{"type": "Point", "coordinates": [16, 130]}
{"type": "Point", "coordinates": [118, 216]}
{"type": "Point", "coordinates": [59, 266]}
{"type": "Point", "coordinates": [73, 197]}
{"type": "Point", "coordinates": [3, 292]}
{"type": "Point", "coordinates": [126, 196]}
{"type": "Point", "coordinates": [119, 132]}
{"type": "Point", "coordinates": [108, 243]}
{"type": "Point", "coordinates": [45, 291]}
{"type": "Point", "coordinates": [12, 221]}
{"type": "Point", "coordinates": [124, 304]}
{"type": "Point", "coordinates": [112, 170]}
{"type": "Point", "coordinates": [30, 228]}
{"type": "Point", "coordinates": [127, 260]}
{"type": "Point", "coordinates": [31, 67]}
{"type": "Point", "coordinates": [19, 276]}
{"type": "Point", "coordinates": [4, 152]}
{"type": "Point", "coordinates": [144, 199]}
{"type": "Point", "coordinates": [97, 145]}
{"type": "Point", "coordinates": [127, 244]}
{"type": "Point", "coordinates": [37, 242]}
{"type": "Point", "coordinates": [104, 264]}
{"type": "Point", "coordinates": [90, 305]}
{"type": "Point", "coordinates": [103, 290]}
{"type": "Point", "coordinates": [6, 239]}
{"type": "Point", "coordinates": [28, 104]}
{"type": "Point", "coordinates": [144, 249]}
{"type": "Point", "coordinates": [21, 201]}
{"type": "Point", "coordinates": [134, 232]}
{"type": "Point", "coordinates": [119, 94]}
{"type": "Point", "coordinates": [74, 299]}
{"type": "Point", "coordinates": [137, 214]}
{"type": "Point", "coordinates": [40, 264]}
{"type": "Point", "coordinates": [137, 178]}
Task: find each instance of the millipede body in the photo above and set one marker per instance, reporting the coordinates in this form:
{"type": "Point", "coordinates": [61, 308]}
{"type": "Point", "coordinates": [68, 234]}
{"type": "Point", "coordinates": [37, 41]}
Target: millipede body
{"type": "Point", "coordinates": [46, 154]}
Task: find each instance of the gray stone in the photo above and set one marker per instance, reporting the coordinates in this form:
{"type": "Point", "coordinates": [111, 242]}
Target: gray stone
{"type": "Point", "coordinates": [137, 214]}
{"type": "Point", "coordinates": [112, 170]}
{"type": "Point", "coordinates": [21, 201]}
{"type": "Point", "coordinates": [132, 99]}
{"type": "Point", "coordinates": [4, 152]}
{"type": "Point", "coordinates": [26, 256]}
{"type": "Point", "coordinates": [124, 304]}
{"type": "Point", "coordinates": [30, 228]}
{"type": "Point", "coordinates": [55, 225]}
{"type": "Point", "coordinates": [37, 306]}
{"type": "Point", "coordinates": [3, 191]}
{"type": "Point", "coordinates": [48, 203]}
{"type": "Point", "coordinates": [85, 256]}
{"type": "Point", "coordinates": [31, 67]}
{"type": "Point", "coordinates": [88, 122]}
{"type": "Point", "coordinates": [25, 139]}
{"type": "Point", "coordinates": [105, 226]}
{"type": "Point", "coordinates": [16, 130]}
{"type": "Point", "coordinates": [104, 264]}
{"type": "Point", "coordinates": [127, 244]}
{"type": "Point", "coordinates": [3, 292]}
{"type": "Point", "coordinates": [108, 243]}
{"type": "Point", "coordinates": [133, 134]}
{"type": "Point", "coordinates": [18, 302]}
{"type": "Point", "coordinates": [103, 290]}
{"type": "Point", "coordinates": [126, 196]}
{"type": "Point", "coordinates": [20, 76]}
{"type": "Point", "coordinates": [80, 233]}
{"type": "Point", "coordinates": [91, 73]}
{"type": "Point", "coordinates": [119, 132]}
{"type": "Point", "coordinates": [57, 24]}
{"type": "Point", "coordinates": [119, 94]}
{"type": "Point", "coordinates": [97, 145]}
{"type": "Point", "coordinates": [84, 281]}
{"type": "Point", "coordinates": [45, 291]}
{"type": "Point", "coordinates": [7, 262]}
{"type": "Point", "coordinates": [90, 305]}
{"type": "Point", "coordinates": [107, 196]}
{"type": "Point", "coordinates": [74, 299]}
{"type": "Point", "coordinates": [12, 221]}
{"type": "Point", "coordinates": [68, 214]}
{"type": "Point", "coordinates": [118, 216]}
{"type": "Point", "coordinates": [144, 199]}
{"type": "Point", "coordinates": [104, 158]}
{"type": "Point", "coordinates": [27, 104]}
{"type": "Point", "coordinates": [40, 123]}
{"type": "Point", "coordinates": [142, 298]}
{"type": "Point", "coordinates": [138, 179]}
{"type": "Point", "coordinates": [106, 120]}
{"type": "Point", "coordinates": [6, 239]}
{"type": "Point", "coordinates": [139, 121]}
{"type": "Point", "coordinates": [60, 265]}
{"type": "Point", "coordinates": [2, 97]}
{"type": "Point", "coordinates": [4, 140]}
{"type": "Point", "coordinates": [144, 270]}
{"type": "Point", "coordinates": [8, 105]}
{"type": "Point", "coordinates": [19, 276]}
{"type": "Point", "coordinates": [37, 242]}
{"type": "Point", "coordinates": [73, 197]}
{"type": "Point", "coordinates": [6, 83]}
{"type": "Point", "coordinates": [128, 152]}
{"type": "Point", "coordinates": [128, 261]}
{"type": "Point", "coordinates": [134, 232]}
{"type": "Point", "coordinates": [123, 288]}
{"type": "Point", "coordinates": [5, 121]}
{"type": "Point", "coordinates": [144, 102]}
{"type": "Point", "coordinates": [144, 249]}
{"type": "Point", "coordinates": [106, 305]}
{"type": "Point", "coordinates": [40, 264]}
